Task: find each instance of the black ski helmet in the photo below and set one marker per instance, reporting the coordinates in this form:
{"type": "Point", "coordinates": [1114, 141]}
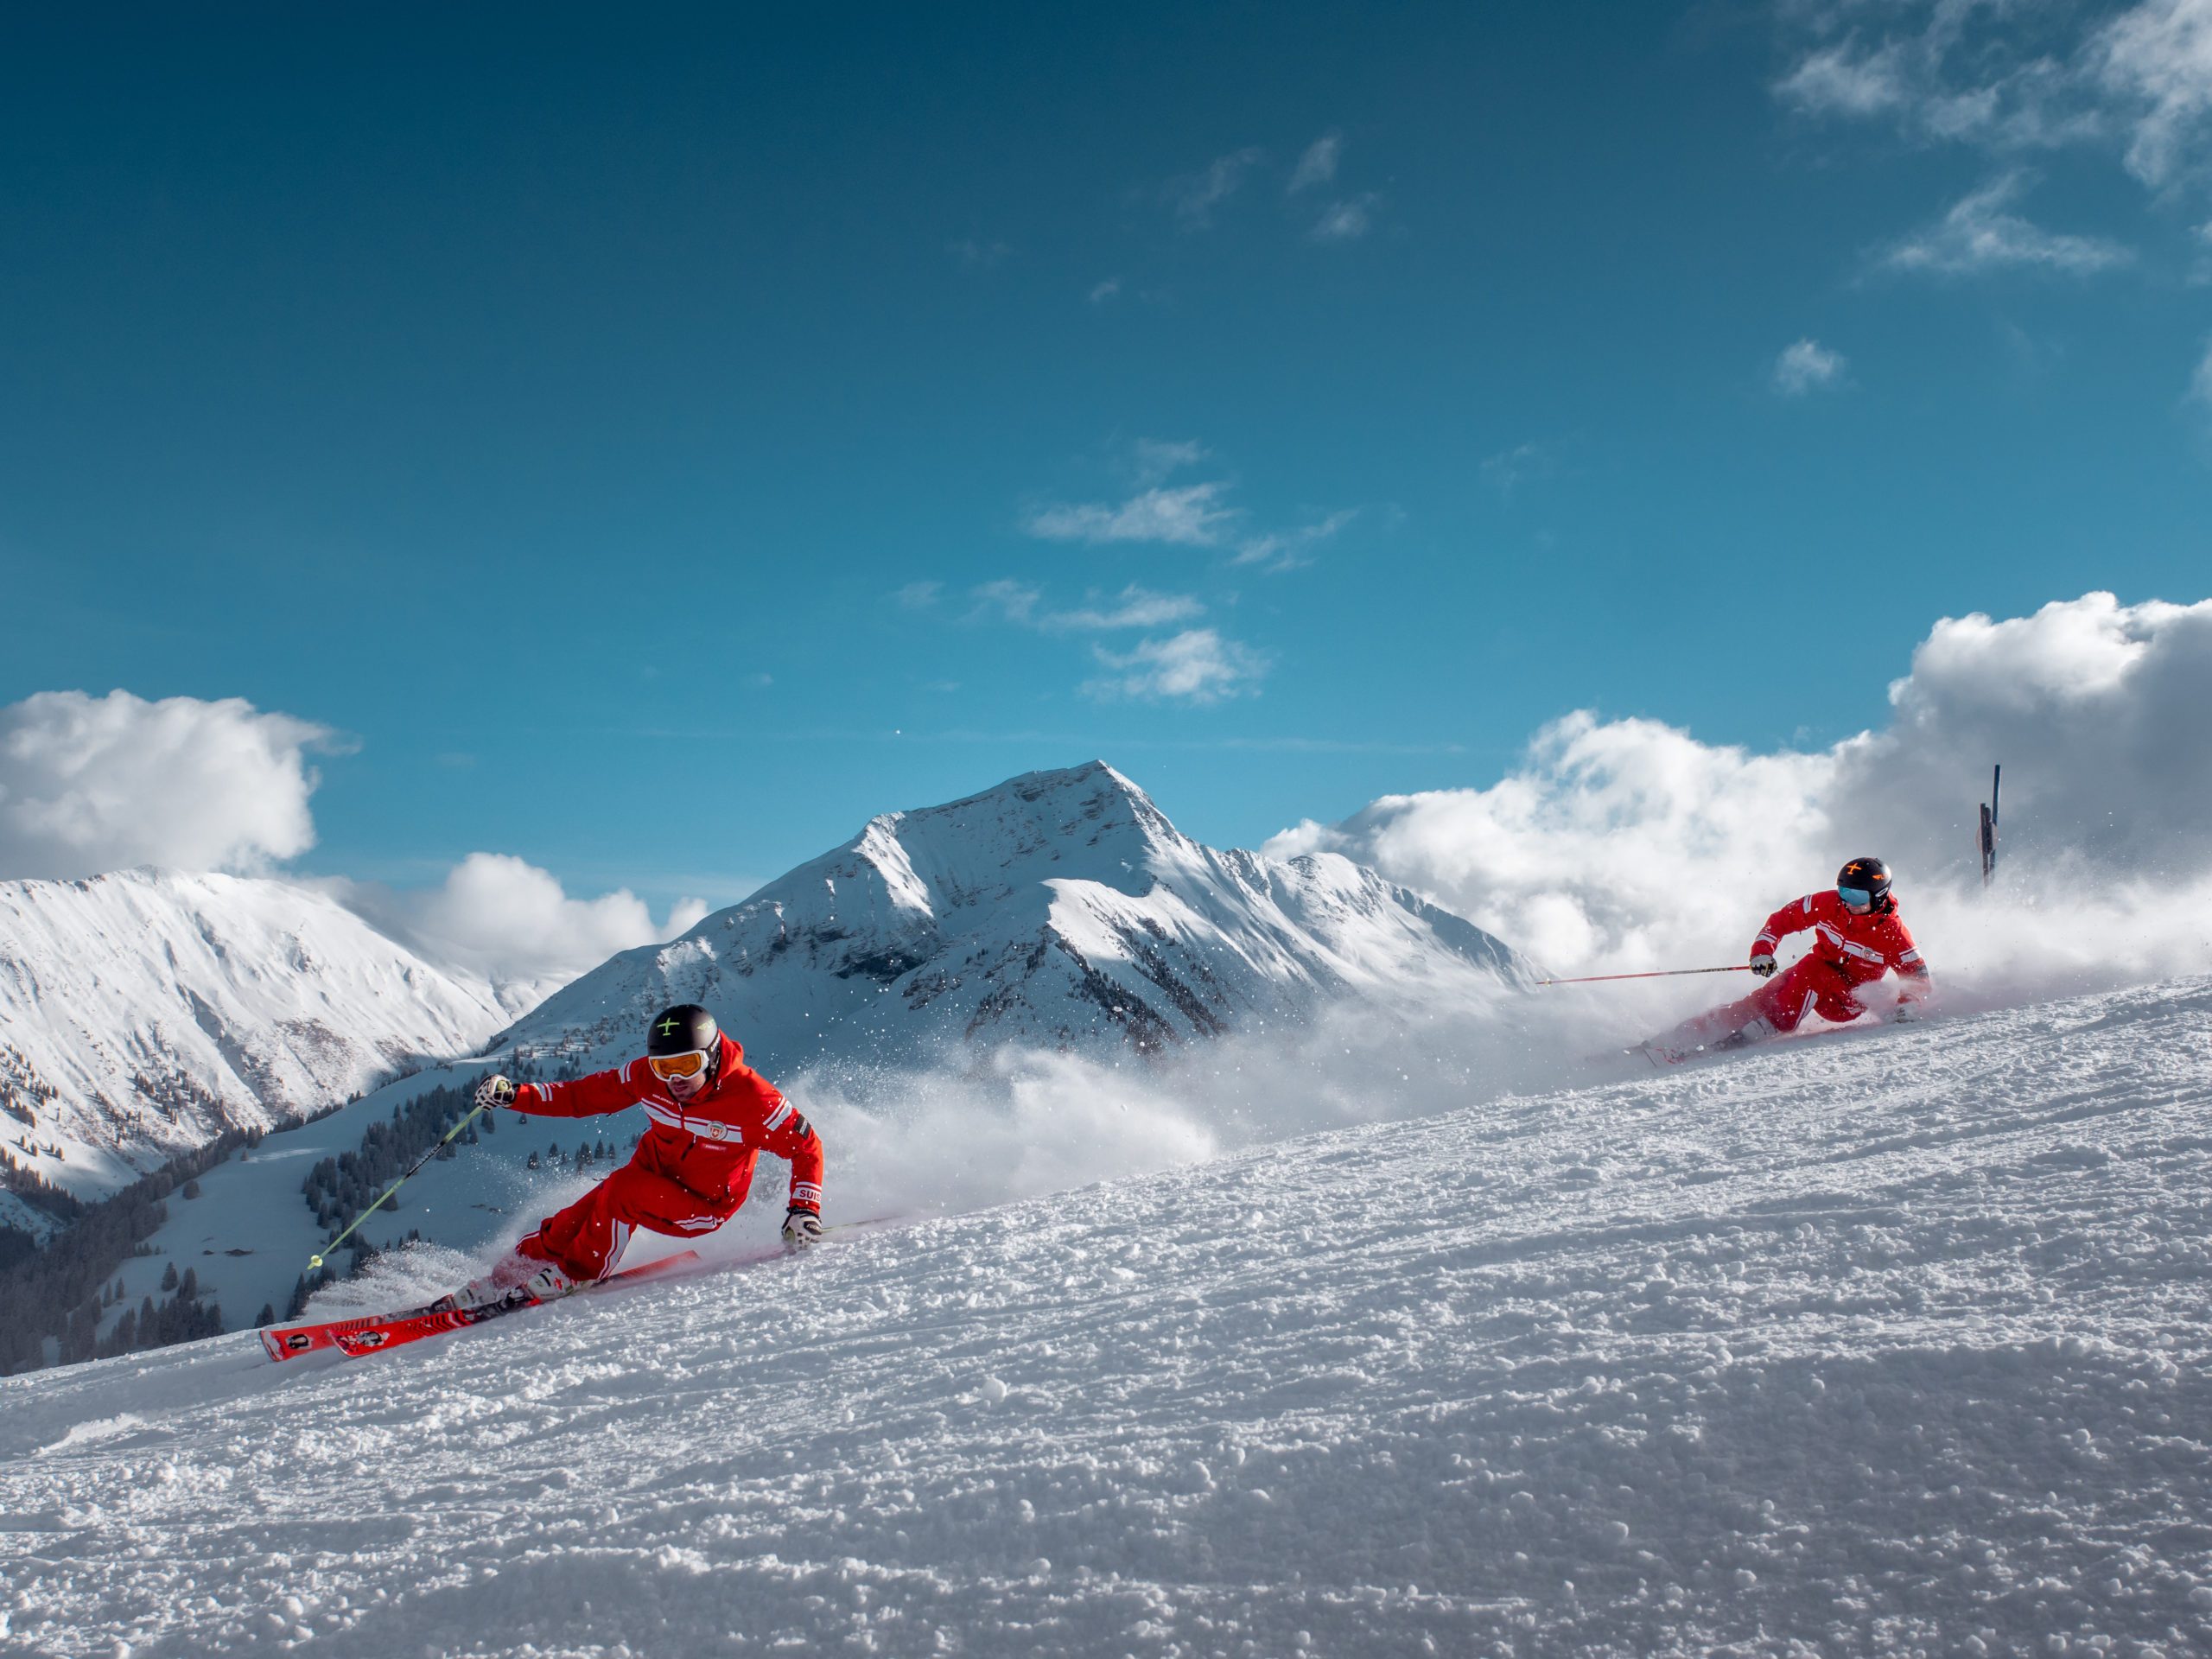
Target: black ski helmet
{"type": "Point", "coordinates": [1868, 875]}
{"type": "Point", "coordinates": [684, 1028]}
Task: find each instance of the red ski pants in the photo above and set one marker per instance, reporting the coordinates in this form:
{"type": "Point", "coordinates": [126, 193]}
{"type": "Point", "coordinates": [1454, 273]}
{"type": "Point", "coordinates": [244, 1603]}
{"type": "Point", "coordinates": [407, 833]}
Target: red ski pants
{"type": "Point", "coordinates": [585, 1239]}
{"type": "Point", "coordinates": [1811, 987]}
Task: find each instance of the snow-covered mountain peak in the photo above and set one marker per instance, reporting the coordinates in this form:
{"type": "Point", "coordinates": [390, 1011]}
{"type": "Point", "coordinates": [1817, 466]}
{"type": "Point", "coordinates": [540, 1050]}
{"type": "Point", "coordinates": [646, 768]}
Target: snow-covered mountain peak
{"type": "Point", "coordinates": [143, 1012]}
{"type": "Point", "coordinates": [934, 856]}
{"type": "Point", "coordinates": [1059, 908]}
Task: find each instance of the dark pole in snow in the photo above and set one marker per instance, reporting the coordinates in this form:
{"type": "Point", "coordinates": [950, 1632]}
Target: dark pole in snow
{"type": "Point", "coordinates": [1989, 825]}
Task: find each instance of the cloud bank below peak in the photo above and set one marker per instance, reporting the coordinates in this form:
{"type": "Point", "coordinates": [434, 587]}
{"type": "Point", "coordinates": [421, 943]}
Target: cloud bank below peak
{"type": "Point", "coordinates": [502, 917]}
{"type": "Point", "coordinates": [90, 784]}
{"type": "Point", "coordinates": [1626, 844]}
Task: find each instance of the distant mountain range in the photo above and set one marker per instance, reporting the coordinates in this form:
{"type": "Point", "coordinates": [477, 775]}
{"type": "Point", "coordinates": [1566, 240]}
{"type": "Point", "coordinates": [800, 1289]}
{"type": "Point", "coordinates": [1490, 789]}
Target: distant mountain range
{"type": "Point", "coordinates": [1060, 909]}
{"type": "Point", "coordinates": [143, 1013]}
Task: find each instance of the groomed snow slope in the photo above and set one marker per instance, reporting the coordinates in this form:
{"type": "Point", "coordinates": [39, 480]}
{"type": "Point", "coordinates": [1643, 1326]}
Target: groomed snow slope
{"type": "Point", "coordinates": [1879, 1342]}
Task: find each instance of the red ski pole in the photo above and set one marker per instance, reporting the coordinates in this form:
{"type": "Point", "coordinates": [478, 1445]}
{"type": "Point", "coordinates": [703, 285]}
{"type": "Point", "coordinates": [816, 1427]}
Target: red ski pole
{"type": "Point", "coordinates": [1663, 973]}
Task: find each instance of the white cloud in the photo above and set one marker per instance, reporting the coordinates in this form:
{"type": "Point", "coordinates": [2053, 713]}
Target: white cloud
{"type": "Point", "coordinates": [1197, 196]}
{"type": "Point", "coordinates": [1978, 234]}
{"type": "Point", "coordinates": [1319, 164]}
{"type": "Point", "coordinates": [1344, 221]}
{"type": "Point", "coordinates": [976, 255]}
{"type": "Point", "coordinates": [1509, 469]}
{"type": "Point", "coordinates": [1153, 460]}
{"type": "Point", "coordinates": [1190, 515]}
{"type": "Point", "coordinates": [507, 919]}
{"type": "Point", "coordinates": [2156, 58]}
{"type": "Point", "coordinates": [1196, 665]}
{"type": "Point", "coordinates": [1804, 366]}
{"type": "Point", "coordinates": [94, 784]}
{"type": "Point", "coordinates": [918, 595]}
{"type": "Point", "coordinates": [1841, 79]}
{"type": "Point", "coordinates": [1291, 549]}
{"type": "Point", "coordinates": [1102, 292]}
{"type": "Point", "coordinates": [2012, 79]}
{"type": "Point", "coordinates": [1015, 601]}
{"type": "Point", "coordinates": [1136, 608]}
{"type": "Point", "coordinates": [89, 784]}
{"type": "Point", "coordinates": [2000, 77]}
{"type": "Point", "coordinates": [1625, 844]}
{"type": "Point", "coordinates": [2200, 383]}
{"type": "Point", "coordinates": [1187, 515]}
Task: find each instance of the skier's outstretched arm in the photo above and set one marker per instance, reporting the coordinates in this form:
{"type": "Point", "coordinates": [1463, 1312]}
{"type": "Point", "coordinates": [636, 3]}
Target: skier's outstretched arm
{"type": "Point", "coordinates": [592, 1096]}
{"type": "Point", "coordinates": [1793, 918]}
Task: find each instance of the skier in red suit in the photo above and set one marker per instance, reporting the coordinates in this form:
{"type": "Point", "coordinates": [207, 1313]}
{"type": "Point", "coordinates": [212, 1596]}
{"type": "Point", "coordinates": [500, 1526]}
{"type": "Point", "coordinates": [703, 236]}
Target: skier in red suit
{"type": "Point", "coordinates": [1857, 937]}
{"type": "Point", "coordinates": [711, 1115]}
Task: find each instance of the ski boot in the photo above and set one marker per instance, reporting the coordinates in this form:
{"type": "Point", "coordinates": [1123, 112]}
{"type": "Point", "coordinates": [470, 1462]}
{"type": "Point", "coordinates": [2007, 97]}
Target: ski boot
{"type": "Point", "coordinates": [514, 1278]}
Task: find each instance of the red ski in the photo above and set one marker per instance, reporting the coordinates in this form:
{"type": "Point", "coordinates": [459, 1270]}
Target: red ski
{"type": "Point", "coordinates": [357, 1336]}
{"type": "Point", "coordinates": [371, 1332]}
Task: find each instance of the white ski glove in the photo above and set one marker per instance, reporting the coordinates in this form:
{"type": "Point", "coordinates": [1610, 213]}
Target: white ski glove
{"type": "Point", "coordinates": [1906, 1014]}
{"type": "Point", "coordinates": [495, 1090]}
{"type": "Point", "coordinates": [801, 1228]}
{"type": "Point", "coordinates": [1763, 966]}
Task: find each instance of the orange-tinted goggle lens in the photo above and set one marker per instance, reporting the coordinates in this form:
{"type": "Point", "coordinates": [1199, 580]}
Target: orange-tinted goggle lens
{"type": "Point", "coordinates": [669, 1067]}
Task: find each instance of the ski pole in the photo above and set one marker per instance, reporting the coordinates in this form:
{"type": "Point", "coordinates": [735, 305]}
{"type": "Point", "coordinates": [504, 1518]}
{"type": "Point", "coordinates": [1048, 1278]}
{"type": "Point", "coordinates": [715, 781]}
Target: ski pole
{"type": "Point", "coordinates": [1663, 973]}
{"type": "Point", "coordinates": [316, 1260]}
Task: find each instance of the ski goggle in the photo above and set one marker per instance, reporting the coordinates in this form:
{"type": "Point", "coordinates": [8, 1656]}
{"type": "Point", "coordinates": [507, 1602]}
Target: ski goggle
{"type": "Point", "coordinates": [1855, 897]}
{"type": "Point", "coordinates": [669, 1067]}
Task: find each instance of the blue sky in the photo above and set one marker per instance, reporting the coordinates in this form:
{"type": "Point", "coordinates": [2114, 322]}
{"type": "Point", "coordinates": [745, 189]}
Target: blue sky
{"type": "Point", "coordinates": [655, 443]}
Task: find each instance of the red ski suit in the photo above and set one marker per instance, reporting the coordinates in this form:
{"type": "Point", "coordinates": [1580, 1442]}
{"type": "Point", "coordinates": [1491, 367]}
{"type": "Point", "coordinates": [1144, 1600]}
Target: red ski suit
{"type": "Point", "coordinates": [690, 1172]}
{"type": "Point", "coordinates": [1848, 950]}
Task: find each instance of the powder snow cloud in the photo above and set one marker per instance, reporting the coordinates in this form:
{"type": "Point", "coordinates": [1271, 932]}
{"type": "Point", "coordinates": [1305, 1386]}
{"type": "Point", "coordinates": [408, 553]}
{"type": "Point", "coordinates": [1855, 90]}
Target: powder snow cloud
{"type": "Point", "coordinates": [1630, 844]}
{"type": "Point", "coordinates": [89, 784]}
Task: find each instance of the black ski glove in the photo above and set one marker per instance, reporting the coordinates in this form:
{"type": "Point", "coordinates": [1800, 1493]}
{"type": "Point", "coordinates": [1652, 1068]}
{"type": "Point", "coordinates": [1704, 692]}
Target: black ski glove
{"type": "Point", "coordinates": [801, 1227]}
{"type": "Point", "coordinates": [1761, 966]}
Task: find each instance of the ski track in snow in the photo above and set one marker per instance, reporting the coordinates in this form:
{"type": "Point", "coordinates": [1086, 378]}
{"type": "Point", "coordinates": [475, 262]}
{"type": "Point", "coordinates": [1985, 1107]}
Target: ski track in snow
{"type": "Point", "coordinates": [1890, 1342]}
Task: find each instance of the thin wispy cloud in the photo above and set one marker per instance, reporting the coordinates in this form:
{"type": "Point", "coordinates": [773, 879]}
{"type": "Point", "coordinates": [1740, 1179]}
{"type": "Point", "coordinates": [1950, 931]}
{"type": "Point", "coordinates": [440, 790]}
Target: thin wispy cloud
{"type": "Point", "coordinates": [1102, 292]}
{"type": "Point", "coordinates": [2156, 59]}
{"type": "Point", "coordinates": [1012, 601]}
{"type": "Point", "coordinates": [1318, 166]}
{"type": "Point", "coordinates": [1806, 366]}
{"type": "Point", "coordinates": [1345, 221]}
{"type": "Point", "coordinates": [976, 255]}
{"type": "Point", "coordinates": [1196, 665]}
{"type": "Point", "coordinates": [1197, 514]}
{"type": "Point", "coordinates": [1981, 233]}
{"type": "Point", "coordinates": [1134, 608]}
{"type": "Point", "coordinates": [918, 595]}
{"type": "Point", "coordinates": [1154, 460]}
{"type": "Point", "coordinates": [1192, 515]}
{"type": "Point", "coordinates": [1509, 470]}
{"type": "Point", "coordinates": [1196, 197]}
{"type": "Point", "coordinates": [1843, 81]}
{"type": "Point", "coordinates": [1292, 550]}
{"type": "Point", "coordinates": [2200, 383]}
{"type": "Point", "coordinates": [1022, 604]}
{"type": "Point", "coordinates": [2012, 79]}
